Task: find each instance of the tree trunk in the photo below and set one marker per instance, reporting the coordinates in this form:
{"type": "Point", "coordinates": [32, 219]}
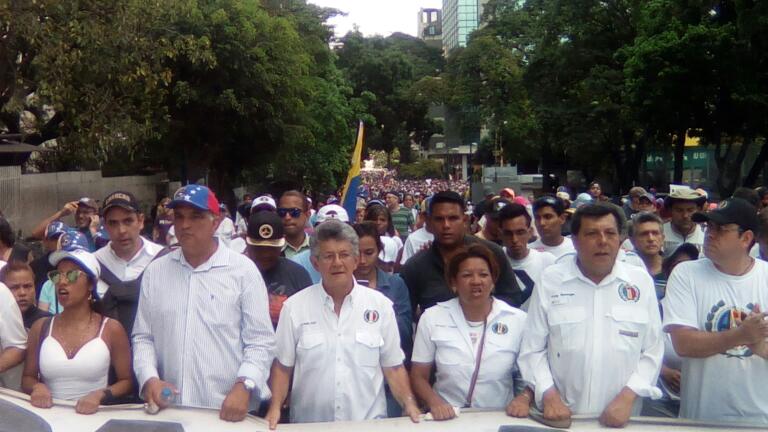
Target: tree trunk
{"type": "Point", "coordinates": [679, 150]}
{"type": "Point", "coordinates": [757, 167]}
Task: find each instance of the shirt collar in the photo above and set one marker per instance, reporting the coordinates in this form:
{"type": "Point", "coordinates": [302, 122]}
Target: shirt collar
{"type": "Point", "coordinates": [328, 300]}
{"type": "Point", "coordinates": [142, 250]}
{"type": "Point", "coordinates": [573, 272]}
{"type": "Point", "coordinates": [220, 258]}
{"type": "Point", "coordinates": [302, 246]}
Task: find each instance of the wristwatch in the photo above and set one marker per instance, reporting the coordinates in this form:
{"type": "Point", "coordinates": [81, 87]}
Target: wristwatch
{"type": "Point", "coordinates": [248, 383]}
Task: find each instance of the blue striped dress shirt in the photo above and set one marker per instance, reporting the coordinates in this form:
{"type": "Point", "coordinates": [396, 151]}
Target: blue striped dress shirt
{"type": "Point", "coordinates": [202, 328]}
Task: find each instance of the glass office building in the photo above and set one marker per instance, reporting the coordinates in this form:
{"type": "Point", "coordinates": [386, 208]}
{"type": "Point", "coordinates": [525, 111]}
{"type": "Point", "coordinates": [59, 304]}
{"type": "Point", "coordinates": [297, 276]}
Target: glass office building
{"type": "Point", "coordinates": [460, 18]}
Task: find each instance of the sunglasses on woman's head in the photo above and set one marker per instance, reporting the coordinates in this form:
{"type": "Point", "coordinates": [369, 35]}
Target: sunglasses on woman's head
{"type": "Point", "coordinates": [294, 212]}
{"type": "Point", "coordinates": [71, 275]}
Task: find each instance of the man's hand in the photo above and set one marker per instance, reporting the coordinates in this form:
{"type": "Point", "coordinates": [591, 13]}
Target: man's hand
{"type": "Point", "coordinates": [41, 396]}
{"type": "Point", "coordinates": [89, 403]}
{"type": "Point", "coordinates": [519, 406]}
{"type": "Point", "coordinates": [671, 377]}
{"type": "Point", "coordinates": [235, 406]}
{"type": "Point", "coordinates": [412, 410]}
{"type": "Point", "coordinates": [153, 389]}
{"type": "Point", "coordinates": [618, 412]}
{"type": "Point", "coordinates": [754, 328]}
{"type": "Point", "coordinates": [68, 209]}
{"type": "Point", "coordinates": [554, 408]}
{"type": "Point", "coordinates": [442, 411]}
{"type": "Point", "coordinates": [273, 416]}
{"type": "Point", "coordinates": [94, 226]}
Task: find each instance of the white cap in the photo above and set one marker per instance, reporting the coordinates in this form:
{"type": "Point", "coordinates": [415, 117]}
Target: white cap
{"type": "Point", "coordinates": [265, 201]}
{"type": "Point", "coordinates": [331, 211]}
{"type": "Point", "coordinates": [82, 258]}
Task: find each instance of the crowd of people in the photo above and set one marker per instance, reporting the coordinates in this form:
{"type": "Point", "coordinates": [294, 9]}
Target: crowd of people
{"type": "Point", "coordinates": [302, 313]}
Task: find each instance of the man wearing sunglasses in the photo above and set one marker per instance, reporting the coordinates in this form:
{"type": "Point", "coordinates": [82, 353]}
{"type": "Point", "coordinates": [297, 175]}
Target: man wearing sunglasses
{"type": "Point", "coordinates": [203, 322]}
{"type": "Point", "coordinates": [293, 209]}
{"type": "Point", "coordinates": [715, 312]}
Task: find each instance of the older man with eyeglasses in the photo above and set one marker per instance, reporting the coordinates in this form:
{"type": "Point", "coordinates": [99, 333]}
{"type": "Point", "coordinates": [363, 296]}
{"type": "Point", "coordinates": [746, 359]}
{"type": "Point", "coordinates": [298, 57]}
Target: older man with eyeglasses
{"type": "Point", "coordinates": [337, 341]}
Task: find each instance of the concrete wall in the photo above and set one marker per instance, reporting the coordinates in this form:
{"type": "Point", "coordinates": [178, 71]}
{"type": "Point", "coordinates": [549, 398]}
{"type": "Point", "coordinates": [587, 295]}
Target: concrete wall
{"type": "Point", "coordinates": [26, 199]}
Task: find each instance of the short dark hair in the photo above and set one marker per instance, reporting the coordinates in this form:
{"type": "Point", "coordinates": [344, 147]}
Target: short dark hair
{"type": "Point", "coordinates": [369, 229]}
{"type": "Point", "coordinates": [6, 233]}
{"type": "Point", "coordinates": [557, 204]}
{"type": "Point", "coordinates": [13, 267]}
{"type": "Point", "coordinates": [644, 217]}
{"type": "Point", "coordinates": [447, 197]}
{"type": "Point", "coordinates": [373, 212]}
{"type": "Point", "coordinates": [750, 195]}
{"type": "Point", "coordinates": [476, 250]}
{"type": "Point", "coordinates": [595, 211]}
{"type": "Point", "coordinates": [514, 210]}
{"type": "Point", "coordinates": [297, 194]}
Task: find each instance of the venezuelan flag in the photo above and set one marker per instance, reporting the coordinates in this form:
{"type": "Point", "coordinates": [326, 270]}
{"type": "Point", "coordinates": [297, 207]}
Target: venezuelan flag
{"type": "Point", "coordinates": [349, 198]}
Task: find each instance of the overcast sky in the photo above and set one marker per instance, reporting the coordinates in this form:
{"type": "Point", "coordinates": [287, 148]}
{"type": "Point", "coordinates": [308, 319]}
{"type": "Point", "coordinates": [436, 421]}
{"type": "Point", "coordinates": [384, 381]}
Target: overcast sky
{"type": "Point", "coordinates": [382, 17]}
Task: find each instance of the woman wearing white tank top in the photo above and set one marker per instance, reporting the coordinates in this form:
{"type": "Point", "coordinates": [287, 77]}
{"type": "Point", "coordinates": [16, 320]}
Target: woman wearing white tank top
{"type": "Point", "coordinates": [68, 357]}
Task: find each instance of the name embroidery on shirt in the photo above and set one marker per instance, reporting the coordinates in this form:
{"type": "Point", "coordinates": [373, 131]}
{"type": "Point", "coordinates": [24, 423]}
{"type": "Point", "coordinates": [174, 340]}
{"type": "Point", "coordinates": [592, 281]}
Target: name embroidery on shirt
{"type": "Point", "coordinates": [628, 333]}
{"type": "Point", "coordinates": [629, 293]}
{"type": "Point", "coordinates": [371, 316]}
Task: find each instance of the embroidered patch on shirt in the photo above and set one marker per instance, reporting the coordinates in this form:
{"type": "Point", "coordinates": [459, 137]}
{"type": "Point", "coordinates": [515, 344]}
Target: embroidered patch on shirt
{"type": "Point", "coordinates": [371, 316]}
{"type": "Point", "coordinates": [629, 293]}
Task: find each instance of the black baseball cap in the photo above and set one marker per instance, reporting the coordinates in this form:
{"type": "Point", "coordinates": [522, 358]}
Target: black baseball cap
{"type": "Point", "coordinates": [265, 229]}
{"type": "Point", "coordinates": [494, 207]}
{"type": "Point", "coordinates": [732, 211]}
{"type": "Point", "coordinates": [557, 204]}
{"type": "Point", "coordinates": [120, 199]}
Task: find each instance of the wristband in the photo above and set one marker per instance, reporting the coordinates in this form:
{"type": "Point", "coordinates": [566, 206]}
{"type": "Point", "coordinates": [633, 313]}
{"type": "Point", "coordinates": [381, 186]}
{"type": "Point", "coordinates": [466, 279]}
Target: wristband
{"type": "Point", "coordinates": [107, 395]}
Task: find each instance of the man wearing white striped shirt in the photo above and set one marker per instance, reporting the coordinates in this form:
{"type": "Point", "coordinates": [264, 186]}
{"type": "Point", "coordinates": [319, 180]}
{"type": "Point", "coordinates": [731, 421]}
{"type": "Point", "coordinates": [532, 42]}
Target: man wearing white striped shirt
{"type": "Point", "coordinates": [202, 327]}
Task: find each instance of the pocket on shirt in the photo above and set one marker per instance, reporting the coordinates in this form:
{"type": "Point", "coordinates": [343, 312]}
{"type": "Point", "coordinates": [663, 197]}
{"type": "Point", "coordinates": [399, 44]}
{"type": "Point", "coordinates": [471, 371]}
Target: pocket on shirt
{"type": "Point", "coordinates": [309, 350]}
{"type": "Point", "coordinates": [448, 348]}
{"type": "Point", "coordinates": [499, 357]}
{"type": "Point", "coordinates": [367, 349]}
{"type": "Point", "coordinates": [568, 329]}
{"type": "Point", "coordinates": [628, 327]}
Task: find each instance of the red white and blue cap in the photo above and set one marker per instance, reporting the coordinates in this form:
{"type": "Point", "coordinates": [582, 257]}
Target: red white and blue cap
{"type": "Point", "coordinates": [199, 197]}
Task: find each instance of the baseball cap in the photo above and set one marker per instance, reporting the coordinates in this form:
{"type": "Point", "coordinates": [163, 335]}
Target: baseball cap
{"type": "Point", "coordinates": [563, 195]}
{"type": "Point", "coordinates": [649, 196]}
{"type": "Point", "coordinates": [87, 202]}
{"type": "Point", "coordinates": [637, 192]}
{"type": "Point", "coordinates": [265, 228]}
{"type": "Point", "coordinates": [582, 199]}
{"type": "Point", "coordinates": [331, 211]}
{"type": "Point", "coordinates": [121, 199]}
{"type": "Point", "coordinates": [332, 199]}
{"type": "Point", "coordinates": [54, 229]}
{"type": "Point", "coordinates": [495, 206]}
{"type": "Point", "coordinates": [199, 197]}
{"type": "Point", "coordinates": [732, 211]}
{"type": "Point", "coordinates": [82, 258]}
{"type": "Point", "coordinates": [508, 193]}
{"type": "Point", "coordinates": [557, 204]}
{"type": "Point", "coordinates": [73, 239]}
{"type": "Point", "coordinates": [264, 202]}
{"type": "Point", "coordinates": [374, 202]}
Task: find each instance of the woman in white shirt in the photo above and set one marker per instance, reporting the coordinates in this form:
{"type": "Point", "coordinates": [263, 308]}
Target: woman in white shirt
{"type": "Point", "coordinates": [69, 356]}
{"type": "Point", "coordinates": [473, 340]}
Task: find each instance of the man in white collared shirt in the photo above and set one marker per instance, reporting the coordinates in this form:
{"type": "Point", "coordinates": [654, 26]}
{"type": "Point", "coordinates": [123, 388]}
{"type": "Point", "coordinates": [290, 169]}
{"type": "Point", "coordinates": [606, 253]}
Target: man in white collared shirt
{"type": "Point", "coordinates": [203, 328]}
{"type": "Point", "coordinates": [124, 258]}
{"type": "Point", "coordinates": [338, 341]}
{"type": "Point", "coordinates": [682, 203]}
{"type": "Point", "coordinates": [593, 343]}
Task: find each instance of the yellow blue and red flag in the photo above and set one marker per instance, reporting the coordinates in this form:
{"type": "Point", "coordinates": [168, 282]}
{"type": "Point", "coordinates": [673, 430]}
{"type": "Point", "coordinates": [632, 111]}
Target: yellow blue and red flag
{"type": "Point", "coordinates": [349, 197]}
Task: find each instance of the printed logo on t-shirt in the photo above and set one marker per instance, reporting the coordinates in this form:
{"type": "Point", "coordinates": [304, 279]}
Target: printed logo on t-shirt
{"type": "Point", "coordinates": [629, 293]}
{"type": "Point", "coordinates": [722, 318]}
{"type": "Point", "coordinates": [371, 316]}
{"type": "Point", "coordinates": [500, 328]}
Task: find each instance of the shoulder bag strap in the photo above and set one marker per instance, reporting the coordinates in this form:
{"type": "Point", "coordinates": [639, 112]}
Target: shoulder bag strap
{"type": "Point", "coordinates": [477, 366]}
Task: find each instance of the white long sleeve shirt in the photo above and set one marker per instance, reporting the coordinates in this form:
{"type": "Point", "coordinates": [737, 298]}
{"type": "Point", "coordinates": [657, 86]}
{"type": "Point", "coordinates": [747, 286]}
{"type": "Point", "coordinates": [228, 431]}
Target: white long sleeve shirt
{"type": "Point", "coordinates": [202, 328]}
{"type": "Point", "coordinates": [592, 340]}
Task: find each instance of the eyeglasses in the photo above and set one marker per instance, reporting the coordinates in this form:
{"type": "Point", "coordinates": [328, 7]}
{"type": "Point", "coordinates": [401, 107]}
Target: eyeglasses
{"type": "Point", "coordinates": [331, 257]}
{"type": "Point", "coordinates": [720, 229]}
{"type": "Point", "coordinates": [294, 212]}
{"type": "Point", "coordinates": [72, 275]}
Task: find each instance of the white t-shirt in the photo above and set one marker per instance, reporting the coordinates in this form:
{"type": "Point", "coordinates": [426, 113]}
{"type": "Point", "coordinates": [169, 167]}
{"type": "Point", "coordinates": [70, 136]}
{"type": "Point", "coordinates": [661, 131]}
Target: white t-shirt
{"type": "Point", "coordinates": [392, 247]}
{"type": "Point", "coordinates": [672, 239]}
{"type": "Point", "coordinates": [528, 270]}
{"type": "Point", "coordinates": [226, 231]}
{"type": "Point", "coordinates": [729, 386]}
{"type": "Point", "coordinates": [415, 241]}
{"type": "Point", "coordinates": [563, 248]}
